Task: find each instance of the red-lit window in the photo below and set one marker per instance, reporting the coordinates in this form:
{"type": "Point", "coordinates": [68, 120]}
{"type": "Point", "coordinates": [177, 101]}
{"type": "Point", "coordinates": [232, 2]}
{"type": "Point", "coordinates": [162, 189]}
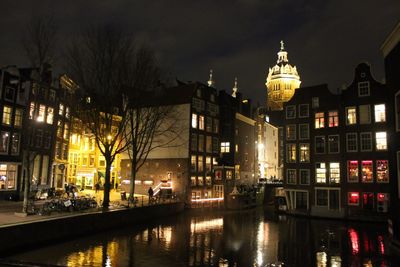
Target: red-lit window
{"type": "Point", "coordinates": [382, 171]}
{"type": "Point", "coordinates": [354, 241]}
{"type": "Point", "coordinates": [354, 198]}
{"type": "Point", "coordinates": [333, 119]}
{"type": "Point", "coordinates": [381, 197]}
{"type": "Point", "coordinates": [368, 201]}
{"type": "Point", "coordinates": [366, 171]}
{"type": "Point", "coordinates": [352, 171]}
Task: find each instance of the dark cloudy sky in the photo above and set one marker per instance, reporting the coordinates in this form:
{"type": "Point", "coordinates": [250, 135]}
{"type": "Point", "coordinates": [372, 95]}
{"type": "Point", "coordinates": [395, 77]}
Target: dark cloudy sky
{"type": "Point", "coordinates": [325, 39]}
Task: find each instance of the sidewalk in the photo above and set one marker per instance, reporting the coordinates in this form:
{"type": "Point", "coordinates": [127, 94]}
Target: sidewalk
{"type": "Point", "coordinates": [9, 208]}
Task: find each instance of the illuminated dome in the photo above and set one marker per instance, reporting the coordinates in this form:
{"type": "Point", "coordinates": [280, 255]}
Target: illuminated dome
{"type": "Point", "coordinates": [282, 81]}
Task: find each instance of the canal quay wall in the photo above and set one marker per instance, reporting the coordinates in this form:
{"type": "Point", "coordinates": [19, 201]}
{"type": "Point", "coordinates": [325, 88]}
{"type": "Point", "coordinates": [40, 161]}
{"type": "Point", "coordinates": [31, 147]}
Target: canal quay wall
{"type": "Point", "coordinates": [29, 234]}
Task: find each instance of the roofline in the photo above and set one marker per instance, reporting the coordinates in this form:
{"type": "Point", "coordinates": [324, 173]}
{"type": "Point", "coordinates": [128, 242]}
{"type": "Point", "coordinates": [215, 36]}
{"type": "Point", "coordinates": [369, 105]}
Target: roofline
{"type": "Point", "coordinates": [391, 41]}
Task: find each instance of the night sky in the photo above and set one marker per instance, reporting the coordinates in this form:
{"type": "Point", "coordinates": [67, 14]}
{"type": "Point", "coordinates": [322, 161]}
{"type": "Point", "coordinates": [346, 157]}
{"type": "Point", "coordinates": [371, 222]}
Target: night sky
{"type": "Point", "coordinates": [324, 39]}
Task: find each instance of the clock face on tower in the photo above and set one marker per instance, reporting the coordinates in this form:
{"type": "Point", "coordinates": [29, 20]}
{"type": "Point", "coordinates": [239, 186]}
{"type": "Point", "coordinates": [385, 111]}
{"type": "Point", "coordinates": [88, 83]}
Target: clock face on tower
{"type": "Point", "coordinates": [282, 81]}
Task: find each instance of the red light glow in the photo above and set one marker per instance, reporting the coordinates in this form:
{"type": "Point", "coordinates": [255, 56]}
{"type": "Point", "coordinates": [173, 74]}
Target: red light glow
{"type": "Point", "coordinates": [381, 244]}
{"type": "Point", "coordinates": [354, 240]}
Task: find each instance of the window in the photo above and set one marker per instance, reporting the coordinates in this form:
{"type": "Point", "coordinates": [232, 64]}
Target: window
{"type": "Point", "coordinates": [225, 147]}
{"type": "Point", "coordinates": [365, 141]}
{"type": "Point", "coordinates": [291, 132]}
{"type": "Point", "coordinates": [382, 171]}
{"type": "Point", "coordinates": [208, 164]}
{"type": "Point", "coordinates": [304, 132]}
{"type": "Point", "coordinates": [215, 145]}
{"type": "Point", "coordinates": [194, 120]}
{"type": "Point", "coordinates": [291, 153]}
{"type": "Point", "coordinates": [321, 196]}
{"type": "Point", "coordinates": [15, 143]}
{"type": "Point", "coordinates": [353, 199]}
{"type": "Point", "coordinates": [201, 122]}
{"type": "Point", "coordinates": [67, 112]}
{"type": "Point", "coordinates": [380, 113]}
{"type": "Point", "coordinates": [215, 125]}
{"type": "Point", "coordinates": [333, 118]}
{"type": "Point", "coordinates": [38, 137]}
{"type": "Point", "coordinates": [32, 111]}
{"type": "Point", "coordinates": [351, 115]}
{"type": "Point", "coordinates": [201, 143]}
{"type": "Point", "coordinates": [303, 111]}
{"type": "Point", "coordinates": [9, 94]}
{"type": "Point", "coordinates": [7, 111]}
{"type": "Point", "coordinates": [208, 144]}
{"type": "Point", "coordinates": [291, 176]}
{"type": "Point", "coordinates": [66, 132]}
{"type": "Point", "coordinates": [200, 164]}
{"type": "Point", "coordinates": [47, 140]}
{"type": "Point", "coordinates": [319, 120]}
{"type": "Point", "coordinates": [4, 141]}
{"type": "Point", "coordinates": [380, 139]}
{"type": "Point", "coordinates": [320, 144]}
{"type": "Point", "coordinates": [301, 200]}
{"type": "Point", "coordinates": [193, 164]}
{"type": "Point", "coordinates": [365, 114]}
{"type": "Point", "coordinates": [352, 171]}
{"type": "Point", "coordinates": [18, 117]}
{"type": "Point", "coordinates": [42, 111]}
{"type": "Point", "coordinates": [334, 172]}
{"type": "Point", "coordinates": [351, 142]}
{"type": "Point", "coordinates": [368, 201]}
{"type": "Point", "coordinates": [208, 124]}
{"type": "Point", "coordinates": [59, 129]}
{"type": "Point", "coordinates": [366, 171]}
{"type": "Point", "coordinates": [290, 112]}
{"type": "Point", "coordinates": [8, 176]}
{"type": "Point", "coordinates": [333, 143]}
{"type": "Point", "coordinates": [320, 172]}
{"type": "Point", "coordinates": [304, 177]}
{"type": "Point", "coordinates": [50, 115]}
{"type": "Point", "coordinates": [193, 181]}
{"type": "Point", "coordinates": [363, 89]}
{"type": "Point", "coordinates": [315, 102]}
{"type": "Point", "coordinates": [61, 109]}
{"type": "Point", "coordinates": [304, 152]}
{"type": "Point", "coordinates": [52, 95]}
{"type": "Point", "coordinates": [193, 142]}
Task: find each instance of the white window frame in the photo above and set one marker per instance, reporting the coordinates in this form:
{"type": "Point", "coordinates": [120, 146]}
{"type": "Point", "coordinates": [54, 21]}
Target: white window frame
{"type": "Point", "coordinates": [308, 131]}
{"type": "Point", "coordinates": [308, 111]}
{"type": "Point", "coordinates": [309, 152]}
{"type": "Point", "coordinates": [376, 143]}
{"type": "Point", "coordinates": [328, 189]}
{"type": "Point", "coordinates": [347, 142]}
{"type": "Point", "coordinates": [329, 148]}
{"type": "Point", "coordinates": [315, 144]}
{"type": "Point", "coordinates": [295, 176]}
{"type": "Point", "coordinates": [309, 177]}
{"type": "Point", "coordinates": [361, 84]}
{"type": "Point", "coordinates": [319, 120]}
{"type": "Point", "coordinates": [368, 113]}
{"type": "Point", "coordinates": [294, 111]}
{"type": "Point", "coordinates": [358, 172]}
{"type": "Point", "coordinates": [347, 115]}
{"type": "Point", "coordinates": [385, 117]}
{"type": "Point", "coordinates": [326, 173]}
{"type": "Point", "coordinates": [295, 198]}
{"type": "Point", "coordinates": [293, 126]}
{"type": "Point", "coordinates": [288, 154]}
{"type": "Point", "coordinates": [376, 171]}
{"type": "Point", "coordinates": [361, 148]}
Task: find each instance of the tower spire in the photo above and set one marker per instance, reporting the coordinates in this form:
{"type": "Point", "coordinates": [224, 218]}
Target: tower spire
{"type": "Point", "coordinates": [210, 81]}
{"type": "Point", "coordinates": [235, 88]}
{"type": "Point", "coordinates": [282, 45]}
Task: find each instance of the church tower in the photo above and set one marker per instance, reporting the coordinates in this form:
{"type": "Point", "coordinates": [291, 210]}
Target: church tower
{"type": "Point", "coordinates": [282, 80]}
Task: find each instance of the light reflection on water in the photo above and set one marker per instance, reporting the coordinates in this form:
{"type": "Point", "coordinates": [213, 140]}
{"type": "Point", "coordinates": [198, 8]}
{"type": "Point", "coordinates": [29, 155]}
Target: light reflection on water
{"type": "Point", "coordinates": [248, 238]}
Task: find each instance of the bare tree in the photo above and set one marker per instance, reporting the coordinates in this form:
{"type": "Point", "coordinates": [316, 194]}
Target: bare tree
{"type": "Point", "coordinates": [98, 63]}
{"type": "Point", "coordinates": [151, 125]}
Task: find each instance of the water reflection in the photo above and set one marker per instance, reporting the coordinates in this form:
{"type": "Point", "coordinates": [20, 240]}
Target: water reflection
{"type": "Point", "coordinates": [248, 238]}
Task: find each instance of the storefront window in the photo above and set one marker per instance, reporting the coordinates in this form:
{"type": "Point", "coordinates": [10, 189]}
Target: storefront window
{"type": "Point", "coordinates": [353, 198]}
{"type": "Point", "coordinates": [382, 171]}
{"type": "Point", "coordinates": [8, 174]}
{"type": "Point", "coordinates": [352, 171]}
{"type": "Point", "coordinates": [366, 171]}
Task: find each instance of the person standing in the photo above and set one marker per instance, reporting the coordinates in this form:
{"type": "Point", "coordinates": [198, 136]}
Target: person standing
{"type": "Point", "coordinates": [97, 187]}
{"type": "Point", "coordinates": [150, 194]}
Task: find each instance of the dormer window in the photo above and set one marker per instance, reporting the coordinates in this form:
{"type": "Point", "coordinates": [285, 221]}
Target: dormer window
{"type": "Point", "coordinates": [290, 112]}
{"type": "Point", "coordinates": [363, 89]}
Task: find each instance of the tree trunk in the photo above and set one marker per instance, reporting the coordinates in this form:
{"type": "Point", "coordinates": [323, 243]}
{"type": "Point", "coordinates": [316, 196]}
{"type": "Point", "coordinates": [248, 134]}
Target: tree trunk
{"type": "Point", "coordinates": [26, 182]}
{"type": "Point", "coordinates": [107, 184]}
{"type": "Point", "coordinates": [133, 179]}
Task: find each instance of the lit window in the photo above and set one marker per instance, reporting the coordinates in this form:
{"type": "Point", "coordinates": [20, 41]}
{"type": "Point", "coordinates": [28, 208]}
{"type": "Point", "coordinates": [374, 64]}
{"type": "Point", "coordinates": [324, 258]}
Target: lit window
{"type": "Point", "coordinates": [304, 177]}
{"type": "Point", "coordinates": [365, 141]}
{"type": "Point", "coordinates": [319, 120]}
{"type": "Point", "coordinates": [365, 114]}
{"type": "Point", "coordinates": [4, 141]}
{"type": "Point", "coordinates": [18, 117]}
{"type": "Point", "coordinates": [291, 176]}
{"type": "Point", "coordinates": [304, 152]}
{"type": "Point", "coordinates": [290, 112]}
{"type": "Point", "coordinates": [303, 131]}
{"type": "Point", "coordinates": [333, 118]}
{"type": "Point", "coordinates": [208, 144]}
{"type": "Point", "coordinates": [351, 142]}
{"type": "Point", "coordinates": [382, 171]}
{"type": "Point", "coordinates": [7, 115]}
{"type": "Point", "coordinates": [351, 115]}
{"type": "Point", "coordinates": [208, 164]}
{"type": "Point", "coordinates": [193, 164]}
{"type": "Point", "coordinates": [8, 174]}
{"type": "Point", "coordinates": [366, 171]}
{"type": "Point", "coordinates": [363, 89]}
{"type": "Point", "coordinates": [334, 172]}
{"type": "Point", "coordinates": [200, 164]}
{"type": "Point", "coordinates": [66, 132]}
{"type": "Point", "coordinates": [148, 182]}
{"type": "Point", "coordinates": [333, 143]}
{"type": "Point", "coordinates": [320, 172]}
{"type": "Point", "coordinates": [194, 120]}
{"type": "Point", "coordinates": [50, 115]}
{"type": "Point", "coordinates": [31, 110]}
{"type": "Point", "coordinates": [380, 113]}
{"type": "Point", "coordinates": [67, 112]}
{"type": "Point", "coordinates": [201, 122]}
{"type": "Point", "coordinates": [42, 111]}
{"type": "Point", "coordinates": [303, 111]}
{"type": "Point", "coordinates": [291, 132]}
{"type": "Point", "coordinates": [291, 153]}
{"type": "Point", "coordinates": [61, 109]}
{"type": "Point", "coordinates": [193, 181]}
{"type": "Point", "coordinates": [352, 171]}
{"type": "Point", "coordinates": [320, 144]}
{"type": "Point", "coordinates": [225, 147]}
{"type": "Point", "coordinates": [353, 199]}
{"type": "Point", "coordinates": [380, 139]}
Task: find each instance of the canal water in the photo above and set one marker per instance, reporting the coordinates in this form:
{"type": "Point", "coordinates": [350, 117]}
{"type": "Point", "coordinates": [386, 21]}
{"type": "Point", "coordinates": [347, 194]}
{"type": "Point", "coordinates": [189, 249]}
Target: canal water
{"type": "Point", "coordinates": [245, 238]}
